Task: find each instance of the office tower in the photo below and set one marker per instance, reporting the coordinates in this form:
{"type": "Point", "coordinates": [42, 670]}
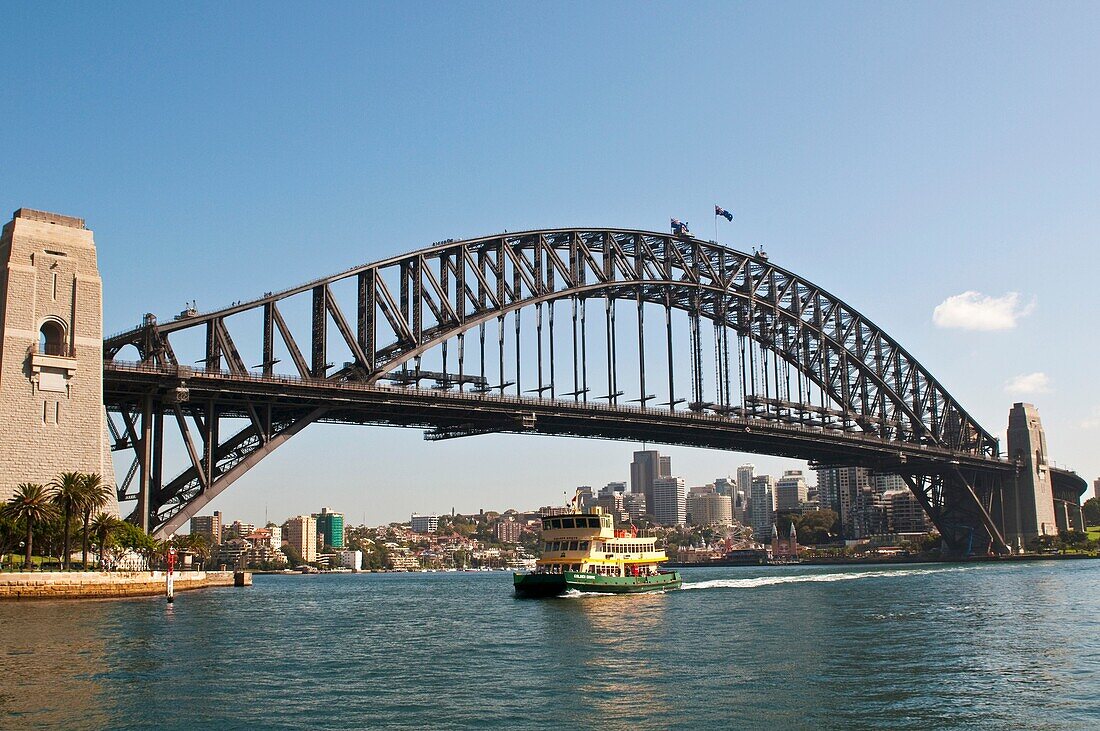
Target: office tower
{"type": "Point", "coordinates": [635, 505]}
{"type": "Point", "coordinates": [330, 528]}
{"type": "Point", "coordinates": [762, 506]}
{"type": "Point", "coordinates": [424, 523]}
{"type": "Point", "coordinates": [790, 491]}
{"type": "Point", "coordinates": [669, 501]}
{"type": "Point", "coordinates": [300, 533]}
{"type": "Point", "coordinates": [710, 508]}
{"type": "Point", "coordinates": [648, 466]}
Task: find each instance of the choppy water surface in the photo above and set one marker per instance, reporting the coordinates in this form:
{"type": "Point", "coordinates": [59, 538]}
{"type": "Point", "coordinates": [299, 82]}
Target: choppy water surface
{"type": "Point", "coordinates": [930, 646]}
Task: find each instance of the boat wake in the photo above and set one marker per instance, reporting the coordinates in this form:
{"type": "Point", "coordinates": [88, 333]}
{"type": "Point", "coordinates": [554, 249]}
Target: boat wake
{"type": "Point", "coordinates": [759, 581]}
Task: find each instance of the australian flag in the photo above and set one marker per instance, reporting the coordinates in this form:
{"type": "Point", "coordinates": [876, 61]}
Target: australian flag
{"type": "Point", "coordinates": [680, 228]}
{"type": "Point", "coordinates": [720, 211]}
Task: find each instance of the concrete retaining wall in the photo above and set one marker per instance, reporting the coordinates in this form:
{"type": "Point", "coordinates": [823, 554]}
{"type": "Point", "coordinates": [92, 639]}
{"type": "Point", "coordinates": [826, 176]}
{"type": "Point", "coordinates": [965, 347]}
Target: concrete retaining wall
{"type": "Point", "coordinates": [98, 585]}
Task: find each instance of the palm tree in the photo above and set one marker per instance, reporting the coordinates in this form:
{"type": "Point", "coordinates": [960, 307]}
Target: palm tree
{"type": "Point", "coordinates": [103, 527]}
{"type": "Point", "coordinates": [32, 503]}
{"type": "Point", "coordinates": [68, 495]}
{"type": "Point", "coordinates": [96, 495]}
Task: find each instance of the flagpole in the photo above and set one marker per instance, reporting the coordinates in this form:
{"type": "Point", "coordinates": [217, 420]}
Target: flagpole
{"type": "Point", "coordinates": [716, 228]}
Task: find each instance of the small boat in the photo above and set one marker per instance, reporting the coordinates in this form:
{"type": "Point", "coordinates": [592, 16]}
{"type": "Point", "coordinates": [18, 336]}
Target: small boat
{"type": "Point", "coordinates": [585, 552]}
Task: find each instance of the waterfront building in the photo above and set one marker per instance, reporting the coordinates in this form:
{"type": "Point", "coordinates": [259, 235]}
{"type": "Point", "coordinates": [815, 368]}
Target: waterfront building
{"type": "Point", "coordinates": [852, 491]}
{"type": "Point", "coordinates": [905, 514]}
{"type": "Point", "coordinates": [300, 533]}
{"type": "Point", "coordinates": [647, 467]}
{"type": "Point", "coordinates": [350, 559]}
{"type": "Point", "coordinates": [791, 491]}
{"type": "Point", "coordinates": [669, 501]}
{"type": "Point", "coordinates": [232, 553]}
{"type": "Point", "coordinates": [710, 508]}
{"type": "Point", "coordinates": [208, 526]}
{"type": "Point", "coordinates": [762, 506]}
{"type": "Point", "coordinates": [635, 505]}
{"type": "Point", "coordinates": [784, 548]}
{"type": "Point", "coordinates": [330, 528]}
{"type": "Point", "coordinates": [507, 530]}
{"type": "Point", "coordinates": [237, 529]}
{"type": "Point", "coordinates": [401, 559]}
{"type": "Point", "coordinates": [886, 482]}
{"type": "Point", "coordinates": [424, 523]}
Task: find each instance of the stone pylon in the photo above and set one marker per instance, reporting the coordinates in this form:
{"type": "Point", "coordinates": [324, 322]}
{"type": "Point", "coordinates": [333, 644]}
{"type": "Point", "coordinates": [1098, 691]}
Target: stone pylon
{"type": "Point", "coordinates": [1028, 497]}
{"type": "Point", "coordinates": [51, 353]}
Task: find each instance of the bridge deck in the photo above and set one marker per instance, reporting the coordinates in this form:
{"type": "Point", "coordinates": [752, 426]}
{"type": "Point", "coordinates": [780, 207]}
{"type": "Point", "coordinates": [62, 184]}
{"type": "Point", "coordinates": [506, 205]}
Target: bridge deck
{"type": "Point", "coordinates": [456, 413]}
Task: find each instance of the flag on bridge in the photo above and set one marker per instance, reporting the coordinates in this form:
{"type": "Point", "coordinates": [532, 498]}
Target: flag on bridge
{"type": "Point", "coordinates": [720, 211]}
{"type": "Point", "coordinates": [680, 228]}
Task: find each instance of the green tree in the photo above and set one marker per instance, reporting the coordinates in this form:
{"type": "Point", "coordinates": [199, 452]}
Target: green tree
{"type": "Point", "coordinates": [68, 495]}
{"type": "Point", "coordinates": [1091, 509]}
{"type": "Point", "coordinates": [103, 529]}
{"type": "Point", "coordinates": [292, 556]}
{"type": "Point", "coordinates": [32, 503]}
{"type": "Point", "coordinates": [96, 495]}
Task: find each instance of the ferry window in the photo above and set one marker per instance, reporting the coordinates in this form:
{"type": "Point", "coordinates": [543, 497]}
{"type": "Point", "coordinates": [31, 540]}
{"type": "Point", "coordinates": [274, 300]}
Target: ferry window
{"type": "Point", "coordinates": [546, 524]}
{"type": "Point", "coordinates": [555, 523]}
{"type": "Point", "coordinates": [572, 545]}
{"type": "Point", "coordinates": [584, 545]}
{"type": "Point", "coordinates": [593, 522]}
{"type": "Point", "coordinates": [567, 523]}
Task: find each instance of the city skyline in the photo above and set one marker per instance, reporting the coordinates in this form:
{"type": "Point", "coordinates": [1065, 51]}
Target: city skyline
{"type": "Point", "coordinates": [956, 184]}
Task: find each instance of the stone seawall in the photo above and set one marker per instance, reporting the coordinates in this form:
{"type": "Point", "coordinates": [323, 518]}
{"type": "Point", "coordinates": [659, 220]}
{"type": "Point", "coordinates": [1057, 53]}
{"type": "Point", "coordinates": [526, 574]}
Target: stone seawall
{"type": "Point", "coordinates": [101, 585]}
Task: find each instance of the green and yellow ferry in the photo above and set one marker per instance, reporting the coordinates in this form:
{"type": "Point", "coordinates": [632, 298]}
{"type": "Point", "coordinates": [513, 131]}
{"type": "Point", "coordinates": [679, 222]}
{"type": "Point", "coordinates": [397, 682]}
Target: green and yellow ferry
{"type": "Point", "coordinates": [584, 552]}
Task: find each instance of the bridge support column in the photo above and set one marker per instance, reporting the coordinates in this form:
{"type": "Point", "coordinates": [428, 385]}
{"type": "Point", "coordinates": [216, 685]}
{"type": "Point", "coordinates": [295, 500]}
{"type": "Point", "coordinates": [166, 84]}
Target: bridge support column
{"type": "Point", "coordinates": [51, 353]}
{"type": "Point", "coordinates": [1028, 508]}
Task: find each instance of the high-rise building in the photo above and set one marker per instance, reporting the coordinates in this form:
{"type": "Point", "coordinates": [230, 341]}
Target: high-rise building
{"type": "Point", "coordinates": [886, 482]}
{"type": "Point", "coordinates": [424, 523]}
{"type": "Point", "coordinates": [635, 505]}
{"type": "Point", "coordinates": [647, 467]}
{"type": "Point", "coordinates": [762, 506]}
{"type": "Point", "coordinates": [710, 508]}
{"type": "Point", "coordinates": [744, 484]}
{"type": "Point", "coordinates": [669, 501]}
{"type": "Point", "coordinates": [300, 533]}
{"type": "Point", "coordinates": [725, 485]}
{"type": "Point", "coordinates": [208, 526]}
{"type": "Point", "coordinates": [790, 491]}
{"type": "Point", "coordinates": [854, 500]}
{"type": "Point", "coordinates": [586, 497]}
{"type": "Point", "coordinates": [330, 528]}
{"type": "Point", "coordinates": [238, 529]}
{"type": "Point", "coordinates": [507, 530]}
{"type": "Point", "coordinates": [904, 513]}
{"type": "Point", "coordinates": [612, 501]}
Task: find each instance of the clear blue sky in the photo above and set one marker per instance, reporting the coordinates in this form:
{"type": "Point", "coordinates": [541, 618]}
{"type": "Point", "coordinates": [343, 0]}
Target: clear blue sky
{"type": "Point", "coordinates": [897, 154]}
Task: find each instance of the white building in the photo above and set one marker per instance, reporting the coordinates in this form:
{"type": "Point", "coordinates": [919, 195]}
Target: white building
{"type": "Point", "coordinates": [669, 501]}
{"type": "Point", "coordinates": [762, 507]}
{"type": "Point", "coordinates": [790, 491]}
{"type": "Point", "coordinates": [350, 559]}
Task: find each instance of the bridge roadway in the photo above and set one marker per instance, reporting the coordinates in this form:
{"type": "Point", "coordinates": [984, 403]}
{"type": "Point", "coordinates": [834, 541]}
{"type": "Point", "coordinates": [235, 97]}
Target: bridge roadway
{"type": "Point", "coordinates": [455, 413]}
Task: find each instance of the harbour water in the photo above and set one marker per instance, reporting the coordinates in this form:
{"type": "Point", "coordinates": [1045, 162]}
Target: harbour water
{"type": "Point", "coordinates": [917, 646]}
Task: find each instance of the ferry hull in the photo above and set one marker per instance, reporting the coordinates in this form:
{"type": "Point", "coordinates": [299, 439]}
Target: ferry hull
{"type": "Point", "coordinates": [536, 585]}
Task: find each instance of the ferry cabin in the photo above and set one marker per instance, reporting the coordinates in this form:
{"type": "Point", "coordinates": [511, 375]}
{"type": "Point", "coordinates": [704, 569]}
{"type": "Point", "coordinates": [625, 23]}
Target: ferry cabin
{"type": "Point", "coordinates": [589, 543]}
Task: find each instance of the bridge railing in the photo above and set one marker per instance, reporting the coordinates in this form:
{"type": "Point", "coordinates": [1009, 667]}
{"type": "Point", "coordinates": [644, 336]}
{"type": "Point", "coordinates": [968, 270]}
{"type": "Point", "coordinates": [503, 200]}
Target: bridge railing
{"type": "Point", "coordinates": [185, 372]}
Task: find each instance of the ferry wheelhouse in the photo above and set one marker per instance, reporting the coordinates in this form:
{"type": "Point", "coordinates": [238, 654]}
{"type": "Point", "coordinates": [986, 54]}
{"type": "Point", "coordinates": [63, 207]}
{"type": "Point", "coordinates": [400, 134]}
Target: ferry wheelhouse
{"type": "Point", "coordinates": [585, 552]}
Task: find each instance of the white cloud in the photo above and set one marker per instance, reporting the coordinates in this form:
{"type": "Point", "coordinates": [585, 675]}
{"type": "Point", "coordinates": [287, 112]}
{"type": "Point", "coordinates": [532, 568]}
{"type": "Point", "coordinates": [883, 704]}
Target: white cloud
{"type": "Point", "coordinates": [1028, 383]}
{"type": "Point", "coordinates": [1092, 422]}
{"type": "Point", "coordinates": [974, 311]}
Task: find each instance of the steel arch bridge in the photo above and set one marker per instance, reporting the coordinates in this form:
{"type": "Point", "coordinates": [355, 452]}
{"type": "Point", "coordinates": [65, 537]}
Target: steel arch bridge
{"type": "Point", "coordinates": [608, 333]}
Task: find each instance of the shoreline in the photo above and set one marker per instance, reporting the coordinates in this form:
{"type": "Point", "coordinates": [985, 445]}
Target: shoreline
{"type": "Point", "coordinates": [43, 585]}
